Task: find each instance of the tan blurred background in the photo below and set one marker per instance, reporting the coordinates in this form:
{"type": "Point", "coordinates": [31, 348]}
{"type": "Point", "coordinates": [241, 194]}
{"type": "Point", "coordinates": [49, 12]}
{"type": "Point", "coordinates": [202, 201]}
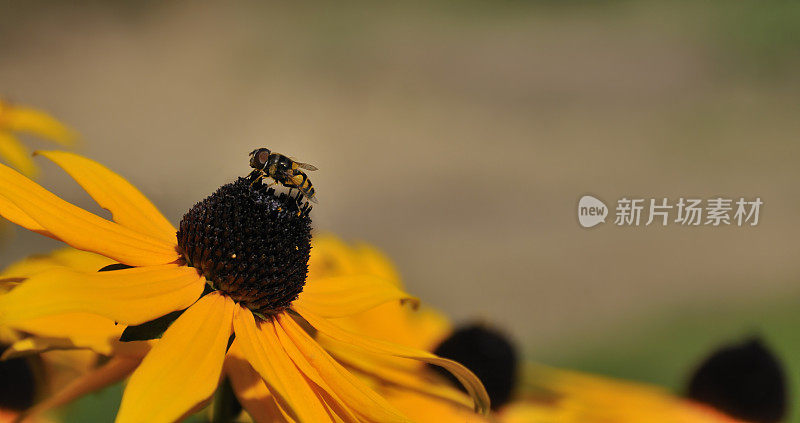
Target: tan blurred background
{"type": "Point", "coordinates": [456, 136]}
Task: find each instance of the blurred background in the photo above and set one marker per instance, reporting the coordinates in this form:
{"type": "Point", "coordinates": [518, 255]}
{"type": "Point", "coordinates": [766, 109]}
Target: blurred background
{"type": "Point", "coordinates": [458, 136]}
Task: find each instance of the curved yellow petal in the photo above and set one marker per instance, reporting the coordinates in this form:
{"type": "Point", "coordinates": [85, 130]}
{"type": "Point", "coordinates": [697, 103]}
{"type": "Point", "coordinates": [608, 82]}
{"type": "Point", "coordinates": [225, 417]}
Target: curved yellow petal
{"type": "Point", "coordinates": [334, 378]}
{"type": "Point", "coordinates": [259, 344]}
{"type": "Point", "coordinates": [16, 154]}
{"type": "Point", "coordinates": [68, 257]}
{"type": "Point", "coordinates": [347, 295]}
{"type": "Point", "coordinates": [470, 382]}
{"type": "Point", "coordinates": [130, 296]}
{"type": "Point", "coordinates": [37, 122]}
{"type": "Point", "coordinates": [77, 227]}
{"type": "Point", "coordinates": [128, 206]}
{"type": "Point", "coordinates": [116, 369]}
{"type": "Point", "coordinates": [183, 368]}
{"type": "Point", "coordinates": [250, 389]}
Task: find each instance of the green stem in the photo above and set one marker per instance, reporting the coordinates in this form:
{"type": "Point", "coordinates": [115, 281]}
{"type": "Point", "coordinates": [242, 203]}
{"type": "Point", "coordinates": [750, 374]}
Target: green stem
{"type": "Point", "coordinates": [226, 406]}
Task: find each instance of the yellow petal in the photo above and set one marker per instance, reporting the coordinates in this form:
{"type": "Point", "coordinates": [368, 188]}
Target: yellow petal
{"type": "Point", "coordinates": [116, 369]}
{"type": "Point", "coordinates": [37, 122]}
{"type": "Point", "coordinates": [183, 368]}
{"type": "Point", "coordinates": [128, 206]}
{"type": "Point", "coordinates": [68, 257]}
{"type": "Point", "coordinates": [250, 389]}
{"type": "Point", "coordinates": [130, 296]}
{"type": "Point", "coordinates": [470, 382]}
{"type": "Point", "coordinates": [259, 344]}
{"type": "Point", "coordinates": [77, 227]}
{"type": "Point", "coordinates": [335, 379]}
{"type": "Point", "coordinates": [12, 151]}
{"type": "Point", "coordinates": [347, 295]}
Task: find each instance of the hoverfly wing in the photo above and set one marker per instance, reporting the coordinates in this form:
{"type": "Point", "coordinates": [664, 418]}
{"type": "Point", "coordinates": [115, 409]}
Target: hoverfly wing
{"type": "Point", "coordinates": [305, 166]}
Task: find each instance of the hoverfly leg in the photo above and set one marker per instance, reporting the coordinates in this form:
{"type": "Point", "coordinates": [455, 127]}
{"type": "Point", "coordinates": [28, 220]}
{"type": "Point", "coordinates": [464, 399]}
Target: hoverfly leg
{"type": "Point", "coordinates": [298, 202]}
{"type": "Point", "coordinates": [255, 176]}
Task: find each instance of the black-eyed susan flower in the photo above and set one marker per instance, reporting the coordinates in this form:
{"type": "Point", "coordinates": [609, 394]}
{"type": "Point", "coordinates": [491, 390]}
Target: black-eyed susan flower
{"type": "Point", "coordinates": [742, 382]}
{"type": "Point", "coordinates": [234, 281]}
{"type": "Point", "coordinates": [15, 119]}
{"type": "Point", "coordinates": [330, 258]}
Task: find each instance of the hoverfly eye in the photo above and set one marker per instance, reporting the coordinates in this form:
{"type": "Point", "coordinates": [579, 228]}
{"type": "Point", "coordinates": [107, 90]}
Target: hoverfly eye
{"type": "Point", "coordinates": [262, 156]}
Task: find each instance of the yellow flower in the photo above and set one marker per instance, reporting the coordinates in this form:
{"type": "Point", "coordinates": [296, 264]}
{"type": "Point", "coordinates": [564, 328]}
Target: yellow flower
{"type": "Point", "coordinates": [536, 394]}
{"type": "Point", "coordinates": [233, 279]}
{"type": "Point", "coordinates": [19, 119]}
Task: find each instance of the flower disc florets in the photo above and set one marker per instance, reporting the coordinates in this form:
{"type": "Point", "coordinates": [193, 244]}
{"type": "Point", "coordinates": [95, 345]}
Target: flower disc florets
{"type": "Point", "coordinates": [251, 243]}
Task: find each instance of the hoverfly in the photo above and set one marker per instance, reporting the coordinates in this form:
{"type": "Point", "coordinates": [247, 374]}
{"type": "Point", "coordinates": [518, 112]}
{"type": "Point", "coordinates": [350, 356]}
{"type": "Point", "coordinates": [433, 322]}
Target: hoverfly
{"type": "Point", "coordinates": [283, 170]}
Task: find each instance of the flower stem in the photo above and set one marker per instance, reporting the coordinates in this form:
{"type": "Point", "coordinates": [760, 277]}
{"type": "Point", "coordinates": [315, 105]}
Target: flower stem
{"type": "Point", "coordinates": [226, 406]}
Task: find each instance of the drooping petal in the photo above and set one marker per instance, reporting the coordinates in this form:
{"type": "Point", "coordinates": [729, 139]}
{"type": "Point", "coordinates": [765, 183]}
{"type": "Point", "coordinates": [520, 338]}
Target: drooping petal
{"type": "Point", "coordinates": [183, 368]}
{"type": "Point", "coordinates": [347, 295]}
{"type": "Point", "coordinates": [37, 122]}
{"type": "Point", "coordinates": [130, 296]}
{"type": "Point", "coordinates": [16, 154]}
{"type": "Point", "coordinates": [259, 344]}
{"type": "Point", "coordinates": [352, 393]}
{"type": "Point", "coordinates": [128, 206]}
{"type": "Point", "coordinates": [75, 226]}
{"type": "Point", "coordinates": [470, 382]}
{"type": "Point", "coordinates": [385, 371]}
{"type": "Point", "coordinates": [116, 369]}
{"type": "Point", "coordinates": [250, 389]}
{"type": "Point", "coordinates": [68, 257]}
